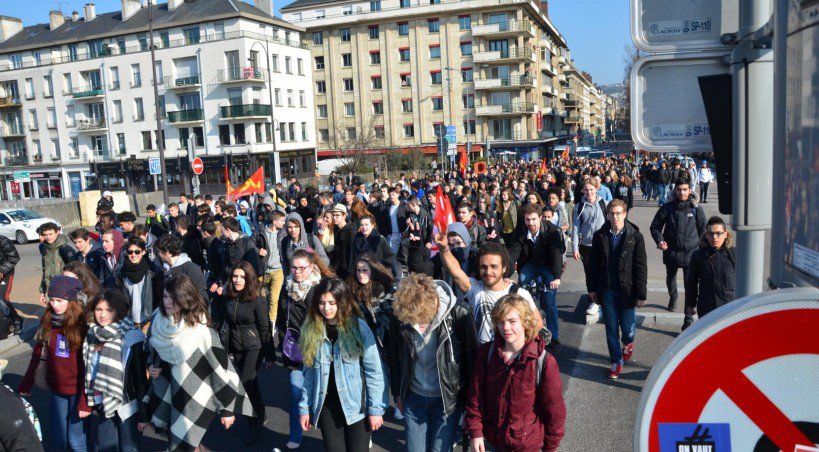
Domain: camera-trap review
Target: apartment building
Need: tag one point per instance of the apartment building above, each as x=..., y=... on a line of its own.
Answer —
x=402, y=67
x=77, y=103
x=585, y=104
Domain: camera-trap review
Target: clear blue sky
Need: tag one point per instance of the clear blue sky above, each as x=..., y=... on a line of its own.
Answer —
x=596, y=30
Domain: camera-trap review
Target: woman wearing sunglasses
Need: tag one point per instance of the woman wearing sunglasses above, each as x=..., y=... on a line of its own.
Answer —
x=142, y=282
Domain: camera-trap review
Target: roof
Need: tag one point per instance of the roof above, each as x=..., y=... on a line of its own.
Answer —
x=111, y=24
x=304, y=3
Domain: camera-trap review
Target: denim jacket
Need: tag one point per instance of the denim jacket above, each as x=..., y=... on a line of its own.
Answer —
x=348, y=377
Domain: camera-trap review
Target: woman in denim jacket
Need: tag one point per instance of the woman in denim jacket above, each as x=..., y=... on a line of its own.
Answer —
x=344, y=380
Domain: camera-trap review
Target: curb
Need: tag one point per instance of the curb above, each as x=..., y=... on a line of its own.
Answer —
x=29, y=329
x=648, y=319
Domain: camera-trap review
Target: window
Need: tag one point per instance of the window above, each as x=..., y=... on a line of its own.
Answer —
x=321, y=111
x=165, y=37
x=291, y=128
x=406, y=79
x=324, y=135
x=466, y=48
x=274, y=63
x=72, y=54
x=345, y=34
x=282, y=133
x=351, y=133
x=404, y=54
x=467, y=75
x=348, y=84
x=403, y=28
x=468, y=100
x=136, y=76
x=224, y=134
x=147, y=143
x=139, y=109
x=379, y=132
x=409, y=130
x=433, y=25
x=304, y=131
x=57, y=155
x=375, y=57
x=347, y=10
x=378, y=107
x=375, y=5
x=300, y=66
x=319, y=62
x=289, y=97
x=52, y=118
x=36, y=55
x=117, y=111
x=376, y=81
x=435, y=77
x=406, y=3
x=435, y=51
x=32, y=119
x=406, y=105
x=321, y=87
x=48, y=86
x=114, y=78
x=191, y=35
x=434, y=2
x=320, y=14
x=121, y=45
x=464, y=22
x=318, y=38
x=301, y=99
x=121, y=143
x=259, y=132
x=373, y=29
x=287, y=67
x=437, y=104
x=29, y=88
x=469, y=126
x=347, y=59
x=143, y=41
x=239, y=133
x=277, y=94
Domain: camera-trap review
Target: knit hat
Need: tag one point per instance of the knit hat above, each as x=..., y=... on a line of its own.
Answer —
x=64, y=287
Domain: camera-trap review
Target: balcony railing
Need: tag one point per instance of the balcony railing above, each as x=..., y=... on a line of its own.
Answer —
x=489, y=56
x=18, y=159
x=87, y=91
x=9, y=101
x=506, y=135
x=92, y=124
x=504, y=82
x=12, y=131
x=505, y=108
x=239, y=74
x=186, y=115
x=511, y=26
x=186, y=81
x=245, y=111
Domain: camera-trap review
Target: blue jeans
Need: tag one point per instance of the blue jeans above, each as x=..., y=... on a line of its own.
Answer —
x=618, y=319
x=68, y=431
x=427, y=428
x=114, y=434
x=663, y=193
x=531, y=272
x=296, y=384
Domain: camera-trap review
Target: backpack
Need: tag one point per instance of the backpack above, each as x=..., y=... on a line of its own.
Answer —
x=538, y=371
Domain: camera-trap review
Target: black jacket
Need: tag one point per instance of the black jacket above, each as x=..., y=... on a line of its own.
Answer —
x=155, y=281
x=135, y=384
x=187, y=267
x=94, y=259
x=376, y=245
x=478, y=235
x=216, y=258
x=291, y=315
x=633, y=264
x=625, y=193
x=680, y=224
x=341, y=256
x=17, y=433
x=8, y=256
x=192, y=246
x=457, y=344
x=545, y=252
x=383, y=218
x=247, y=326
x=711, y=278
x=106, y=274
x=158, y=226
x=241, y=249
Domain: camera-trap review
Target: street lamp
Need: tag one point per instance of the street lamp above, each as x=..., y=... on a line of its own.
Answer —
x=274, y=156
x=160, y=142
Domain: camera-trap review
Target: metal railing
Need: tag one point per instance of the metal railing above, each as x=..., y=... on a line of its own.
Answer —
x=92, y=124
x=507, y=53
x=512, y=107
x=506, y=135
x=183, y=81
x=502, y=27
x=245, y=110
x=9, y=101
x=11, y=131
x=241, y=73
x=510, y=80
x=186, y=115
x=87, y=91
x=18, y=159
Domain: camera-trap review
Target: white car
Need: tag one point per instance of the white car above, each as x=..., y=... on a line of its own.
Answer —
x=21, y=225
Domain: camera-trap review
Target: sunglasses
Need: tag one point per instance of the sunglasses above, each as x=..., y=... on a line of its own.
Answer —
x=134, y=252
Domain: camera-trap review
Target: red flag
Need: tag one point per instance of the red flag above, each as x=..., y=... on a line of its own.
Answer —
x=228, y=186
x=444, y=215
x=253, y=185
x=566, y=153
x=542, y=167
x=464, y=161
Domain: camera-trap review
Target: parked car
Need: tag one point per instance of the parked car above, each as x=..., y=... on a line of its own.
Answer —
x=21, y=225
x=685, y=161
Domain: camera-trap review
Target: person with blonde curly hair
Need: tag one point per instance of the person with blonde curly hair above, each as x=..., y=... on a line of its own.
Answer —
x=515, y=387
x=430, y=350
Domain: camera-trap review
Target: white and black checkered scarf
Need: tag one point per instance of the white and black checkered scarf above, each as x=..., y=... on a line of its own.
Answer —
x=110, y=370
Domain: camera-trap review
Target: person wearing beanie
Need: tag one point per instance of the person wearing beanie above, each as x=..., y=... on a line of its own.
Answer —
x=59, y=347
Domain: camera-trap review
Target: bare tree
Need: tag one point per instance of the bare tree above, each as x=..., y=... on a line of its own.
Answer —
x=623, y=114
x=356, y=148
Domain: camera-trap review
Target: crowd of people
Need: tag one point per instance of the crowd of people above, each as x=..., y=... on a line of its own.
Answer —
x=354, y=290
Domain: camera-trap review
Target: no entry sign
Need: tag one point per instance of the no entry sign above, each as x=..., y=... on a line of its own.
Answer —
x=746, y=377
x=197, y=166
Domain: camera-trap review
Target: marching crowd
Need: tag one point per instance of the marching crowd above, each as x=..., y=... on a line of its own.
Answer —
x=366, y=293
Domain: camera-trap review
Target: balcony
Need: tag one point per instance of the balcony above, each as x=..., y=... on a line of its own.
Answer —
x=504, y=56
x=514, y=81
x=183, y=83
x=92, y=92
x=506, y=135
x=553, y=133
x=92, y=125
x=570, y=100
x=20, y=159
x=573, y=119
x=505, y=109
x=547, y=44
x=548, y=89
x=562, y=78
x=10, y=102
x=186, y=116
x=509, y=28
x=548, y=110
x=546, y=66
x=241, y=75
x=12, y=131
x=561, y=60
x=246, y=111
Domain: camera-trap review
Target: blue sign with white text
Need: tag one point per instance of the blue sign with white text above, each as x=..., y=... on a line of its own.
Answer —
x=154, y=165
x=695, y=437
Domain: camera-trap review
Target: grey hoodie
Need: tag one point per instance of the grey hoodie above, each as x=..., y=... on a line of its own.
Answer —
x=588, y=218
x=289, y=247
x=274, y=259
x=425, y=380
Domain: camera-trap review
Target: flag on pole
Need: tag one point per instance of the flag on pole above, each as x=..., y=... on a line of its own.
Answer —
x=565, y=153
x=228, y=186
x=464, y=162
x=251, y=186
x=444, y=215
x=542, y=170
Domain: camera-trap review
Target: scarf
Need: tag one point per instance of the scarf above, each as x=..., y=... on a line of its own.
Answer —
x=57, y=320
x=52, y=261
x=135, y=272
x=298, y=290
x=110, y=374
x=176, y=342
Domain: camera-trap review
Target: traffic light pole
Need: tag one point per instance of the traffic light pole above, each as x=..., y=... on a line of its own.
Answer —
x=752, y=73
x=160, y=142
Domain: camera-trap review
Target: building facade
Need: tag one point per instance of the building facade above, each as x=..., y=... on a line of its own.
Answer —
x=403, y=67
x=77, y=103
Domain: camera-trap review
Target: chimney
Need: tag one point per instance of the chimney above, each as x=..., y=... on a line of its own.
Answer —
x=129, y=8
x=544, y=7
x=75, y=16
x=265, y=5
x=90, y=12
x=9, y=26
x=173, y=4
x=55, y=19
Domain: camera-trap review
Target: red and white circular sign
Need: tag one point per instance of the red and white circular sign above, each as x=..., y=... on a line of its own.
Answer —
x=749, y=368
x=197, y=166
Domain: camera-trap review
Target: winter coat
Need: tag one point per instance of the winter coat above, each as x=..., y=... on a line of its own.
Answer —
x=383, y=218
x=17, y=432
x=157, y=225
x=8, y=256
x=711, y=277
x=306, y=240
x=507, y=408
x=374, y=244
x=135, y=379
x=680, y=224
x=291, y=315
x=241, y=249
x=192, y=246
x=625, y=193
x=544, y=252
x=108, y=274
x=54, y=257
x=248, y=326
x=633, y=264
x=455, y=355
x=215, y=252
x=343, y=249
x=152, y=290
x=185, y=266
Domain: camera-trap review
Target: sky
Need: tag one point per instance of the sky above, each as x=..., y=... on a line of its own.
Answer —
x=596, y=31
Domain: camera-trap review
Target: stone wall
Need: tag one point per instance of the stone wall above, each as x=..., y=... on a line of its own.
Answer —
x=65, y=211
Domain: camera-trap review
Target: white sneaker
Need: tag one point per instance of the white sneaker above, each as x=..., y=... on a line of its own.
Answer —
x=594, y=309
x=396, y=413
x=292, y=445
x=371, y=444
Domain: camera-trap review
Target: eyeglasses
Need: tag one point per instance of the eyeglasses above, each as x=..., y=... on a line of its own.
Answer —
x=301, y=269
x=134, y=252
x=715, y=234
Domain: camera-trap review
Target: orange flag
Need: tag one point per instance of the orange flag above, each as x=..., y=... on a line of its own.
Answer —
x=253, y=185
x=464, y=162
x=542, y=167
x=444, y=216
x=228, y=186
x=566, y=153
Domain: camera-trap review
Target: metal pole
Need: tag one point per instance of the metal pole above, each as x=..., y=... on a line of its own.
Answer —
x=159, y=134
x=752, y=72
x=274, y=170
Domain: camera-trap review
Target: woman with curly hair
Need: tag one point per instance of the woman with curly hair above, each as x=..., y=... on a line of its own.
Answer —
x=344, y=381
x=371, y=290
x=430, y=349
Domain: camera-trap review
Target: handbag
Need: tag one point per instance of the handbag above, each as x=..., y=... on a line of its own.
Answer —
x=40, y=373
x=290, y=346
